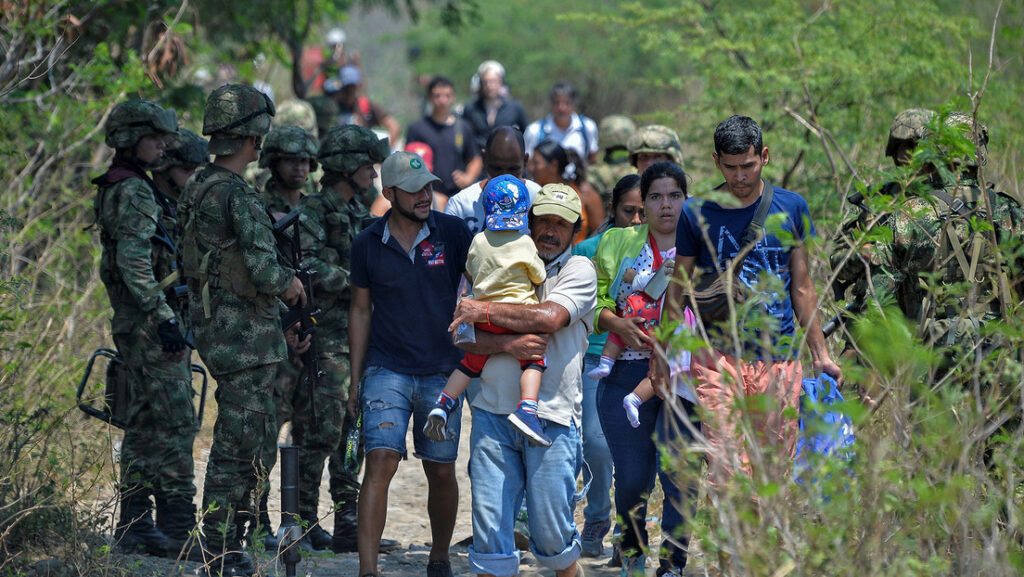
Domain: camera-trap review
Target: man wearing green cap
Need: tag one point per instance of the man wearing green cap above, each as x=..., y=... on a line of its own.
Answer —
x=502, y=467
x=405, y=274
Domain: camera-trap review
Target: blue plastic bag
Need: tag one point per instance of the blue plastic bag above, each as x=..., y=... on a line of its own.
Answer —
x=822, y=431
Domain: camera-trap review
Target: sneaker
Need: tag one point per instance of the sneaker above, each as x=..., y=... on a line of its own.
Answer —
x=634, y=566
x=669, y=572
x=592, y=540
x=436, y=423
x=528, y=424
x=439, y=569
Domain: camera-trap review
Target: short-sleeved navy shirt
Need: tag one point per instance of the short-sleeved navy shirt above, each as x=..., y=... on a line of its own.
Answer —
x=413, y=299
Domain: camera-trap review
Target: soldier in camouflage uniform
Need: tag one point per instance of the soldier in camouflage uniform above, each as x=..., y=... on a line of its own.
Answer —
x=289, y=153
x=139, y=262
x=654, y=143
x=234, y=280
x=330, y=221
x=940, y=269
x=184, y=152
x=614, y=132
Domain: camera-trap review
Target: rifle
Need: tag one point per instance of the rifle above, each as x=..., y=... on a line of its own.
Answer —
x=289, y=252
x=835, y=322
x=115, y=395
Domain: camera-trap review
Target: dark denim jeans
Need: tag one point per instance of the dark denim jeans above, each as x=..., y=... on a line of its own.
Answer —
x=636, y=456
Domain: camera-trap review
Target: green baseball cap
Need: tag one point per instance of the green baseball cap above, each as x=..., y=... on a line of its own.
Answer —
x=405, y=170
x=560, y=200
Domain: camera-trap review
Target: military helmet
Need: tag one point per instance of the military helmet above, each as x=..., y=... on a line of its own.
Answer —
x=909, y=125
x=295, y=112
x=131, y=120
x=655, y=139
x=237, y=111
x=289, y=141
x=976, y=132
x=615, y=131
x=345, y=148
x=184, y=148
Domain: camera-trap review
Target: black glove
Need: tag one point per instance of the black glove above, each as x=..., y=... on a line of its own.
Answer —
x=170, y=336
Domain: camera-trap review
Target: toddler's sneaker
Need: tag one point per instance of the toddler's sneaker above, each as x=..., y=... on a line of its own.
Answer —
x=529, y=425
x=437, y=420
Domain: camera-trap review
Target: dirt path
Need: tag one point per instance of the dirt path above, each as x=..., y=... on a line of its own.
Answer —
x=407, y=523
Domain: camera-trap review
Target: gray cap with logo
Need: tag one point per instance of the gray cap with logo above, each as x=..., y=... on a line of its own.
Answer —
x=407, y=171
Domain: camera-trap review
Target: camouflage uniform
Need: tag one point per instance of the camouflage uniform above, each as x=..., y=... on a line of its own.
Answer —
x=933, y=249
x=139, y=252
x=329, y=223
x=231, y=266
x=287, y=141
x=614, y=131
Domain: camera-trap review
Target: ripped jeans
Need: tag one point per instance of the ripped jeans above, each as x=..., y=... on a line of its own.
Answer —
x=390, y=399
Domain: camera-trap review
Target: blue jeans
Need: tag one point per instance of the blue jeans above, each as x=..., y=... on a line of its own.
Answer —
x=503, y=466
x=637, y=458
x=391, y=399
x=595, y=450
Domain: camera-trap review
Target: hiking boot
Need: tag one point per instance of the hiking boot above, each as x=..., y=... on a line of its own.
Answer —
x=592, y=539
x=439, y=569
x=529, y=425
x=135, y=531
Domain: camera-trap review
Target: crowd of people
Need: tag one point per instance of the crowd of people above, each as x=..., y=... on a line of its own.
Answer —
x=518, y=267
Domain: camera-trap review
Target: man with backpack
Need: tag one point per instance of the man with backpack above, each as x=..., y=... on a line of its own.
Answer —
x=564, y=125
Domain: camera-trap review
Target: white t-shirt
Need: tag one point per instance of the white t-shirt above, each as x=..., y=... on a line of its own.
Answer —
x=574, y=137
x=571, y=283
x=468, y=205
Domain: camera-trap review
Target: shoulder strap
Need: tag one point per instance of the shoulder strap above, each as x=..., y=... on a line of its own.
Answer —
x=586, y=138
x=750, y=234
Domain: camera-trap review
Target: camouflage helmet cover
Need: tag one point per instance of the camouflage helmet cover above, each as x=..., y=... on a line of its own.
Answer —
x=236, y=111
x=295, y=112
x=976, y=132
x=184, y=148
x=655, y=139
x=909, y=125
x=131, y=120
x=288, y=142
x=345, y=148
x=615, y=131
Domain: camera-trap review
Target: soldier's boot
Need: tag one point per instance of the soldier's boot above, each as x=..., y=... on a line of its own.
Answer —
x=227, y=561
x=345, y=539
x=176, y=518
x=315, y=538
x=135, y=531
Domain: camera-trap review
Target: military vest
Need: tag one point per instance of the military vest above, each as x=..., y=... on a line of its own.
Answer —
x=148, y=203
x=211, y=256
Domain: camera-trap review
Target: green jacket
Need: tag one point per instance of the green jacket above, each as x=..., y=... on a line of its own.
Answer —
x=616, y=252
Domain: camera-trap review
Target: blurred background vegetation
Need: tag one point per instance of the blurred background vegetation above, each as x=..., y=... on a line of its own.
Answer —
x=824, y=79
